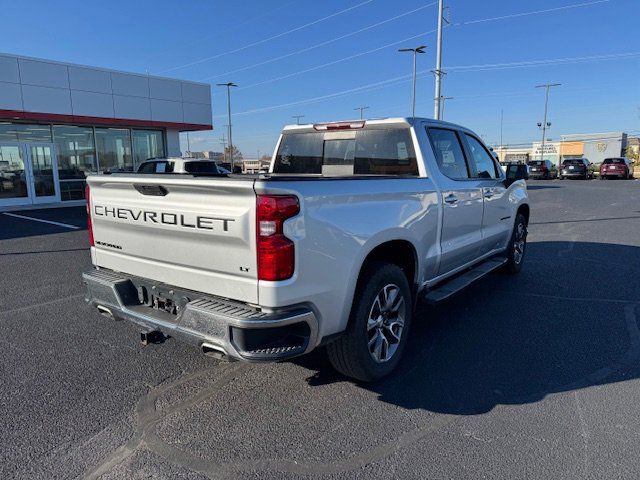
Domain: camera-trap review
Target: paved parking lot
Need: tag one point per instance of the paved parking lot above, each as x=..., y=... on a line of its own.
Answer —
x=527, y=376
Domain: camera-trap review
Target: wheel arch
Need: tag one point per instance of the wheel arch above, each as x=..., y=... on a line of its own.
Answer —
x=525, y=210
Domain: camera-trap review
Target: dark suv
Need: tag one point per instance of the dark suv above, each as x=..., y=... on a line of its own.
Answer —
x=576, y=168
x=542, y=169
x=618, y=167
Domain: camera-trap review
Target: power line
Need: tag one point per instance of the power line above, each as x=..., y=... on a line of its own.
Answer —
x=535, y=63
x=388, y=45
x=264, y=40
x=334, y=62
x=547, y=10
x=404, y=78
x=321, y=44
x=218, y=33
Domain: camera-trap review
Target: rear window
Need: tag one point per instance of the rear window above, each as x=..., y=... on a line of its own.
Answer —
x=536, y=163
x=613, y=160
x=156, y=167
x=362, y=152
x=573, y=162
x=200, y=167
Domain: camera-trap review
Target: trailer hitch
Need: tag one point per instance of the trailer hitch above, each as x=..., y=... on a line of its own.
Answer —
x=152, y=336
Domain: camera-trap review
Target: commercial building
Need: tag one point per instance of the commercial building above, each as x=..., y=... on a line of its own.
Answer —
x=598, y=146
x=593, y=146
x=60, y=122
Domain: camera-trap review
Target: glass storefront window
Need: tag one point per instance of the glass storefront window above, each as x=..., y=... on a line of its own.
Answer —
x=147, y=144
x=76, y=159
x=114, y=149
x=12, y=173
x=21, y=132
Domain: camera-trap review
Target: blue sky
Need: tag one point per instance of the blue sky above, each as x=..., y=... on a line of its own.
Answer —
x=323, y=59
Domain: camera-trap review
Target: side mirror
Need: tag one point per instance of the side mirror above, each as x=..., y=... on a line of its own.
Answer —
x=515, y=172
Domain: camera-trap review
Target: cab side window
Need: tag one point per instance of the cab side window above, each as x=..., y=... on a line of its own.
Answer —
x=449, y=153
x=481, y=160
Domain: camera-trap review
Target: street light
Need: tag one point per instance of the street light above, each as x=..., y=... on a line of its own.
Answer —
x=229, y=85
x=544, y=125
x=415, y=52
x=362, y=109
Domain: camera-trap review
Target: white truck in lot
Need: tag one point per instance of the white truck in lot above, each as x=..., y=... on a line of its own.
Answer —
x=354, y=223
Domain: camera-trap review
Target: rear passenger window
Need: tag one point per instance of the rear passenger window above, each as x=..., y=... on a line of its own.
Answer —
x=448, y=152
x=483, y=165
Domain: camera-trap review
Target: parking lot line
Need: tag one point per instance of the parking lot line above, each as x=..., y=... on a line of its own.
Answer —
x=65, y=225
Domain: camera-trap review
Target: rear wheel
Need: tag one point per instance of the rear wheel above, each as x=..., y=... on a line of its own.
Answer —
x=378, y=325
x=517, y=245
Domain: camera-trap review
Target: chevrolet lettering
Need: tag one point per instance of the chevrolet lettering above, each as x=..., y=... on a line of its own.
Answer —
x=179, y=219
x=354, y=223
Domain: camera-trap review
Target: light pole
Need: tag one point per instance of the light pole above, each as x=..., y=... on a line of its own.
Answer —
x=223, y=141
x=362, y=109
x=297, y=117
x=229, y=85
x=415, y=52
x=442, y=99
x=545, y=125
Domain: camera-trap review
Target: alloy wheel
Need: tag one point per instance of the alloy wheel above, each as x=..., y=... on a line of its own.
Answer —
x=386, y=323
x=519, y=243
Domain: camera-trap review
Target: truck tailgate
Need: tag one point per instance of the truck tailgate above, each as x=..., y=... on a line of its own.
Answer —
x=194, y=233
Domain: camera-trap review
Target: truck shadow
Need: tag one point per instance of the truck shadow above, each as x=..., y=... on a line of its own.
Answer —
x=567, y=321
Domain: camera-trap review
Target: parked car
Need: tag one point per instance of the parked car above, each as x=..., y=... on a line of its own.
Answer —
x=617, y=167
x=576, y=168
x=179, y=165
x=542, y=169
x=353, y=223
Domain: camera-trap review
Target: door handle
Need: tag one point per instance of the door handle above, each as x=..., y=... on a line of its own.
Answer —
x=451, y=199
x=488, y=192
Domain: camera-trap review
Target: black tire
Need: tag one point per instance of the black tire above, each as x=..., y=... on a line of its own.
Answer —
x=350, y=354
x=515, y=261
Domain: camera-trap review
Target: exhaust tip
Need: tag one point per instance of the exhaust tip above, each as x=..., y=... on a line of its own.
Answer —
x=214, y=351
x=105, y=311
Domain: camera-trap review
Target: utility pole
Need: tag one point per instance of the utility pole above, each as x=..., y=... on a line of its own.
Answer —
x=362, y=109
x=415, y=52
x=223, y=141
x=297, y=117
x=545, y=125
x=438, y=71
x=229, y=85
x=442, y=99
x=188, y=144
x=501, y=123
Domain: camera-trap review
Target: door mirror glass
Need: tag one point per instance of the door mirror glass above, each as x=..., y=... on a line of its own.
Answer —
x=516, y=171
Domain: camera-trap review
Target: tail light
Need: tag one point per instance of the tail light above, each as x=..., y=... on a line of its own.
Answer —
x=276, y=253
x=87, y=196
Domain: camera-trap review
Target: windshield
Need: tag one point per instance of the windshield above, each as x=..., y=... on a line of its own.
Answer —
x=362, y=152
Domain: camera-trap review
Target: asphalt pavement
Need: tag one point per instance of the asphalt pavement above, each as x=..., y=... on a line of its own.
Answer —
x=527, y=376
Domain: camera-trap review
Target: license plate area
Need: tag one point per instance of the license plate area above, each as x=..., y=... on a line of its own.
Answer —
x=161, y=297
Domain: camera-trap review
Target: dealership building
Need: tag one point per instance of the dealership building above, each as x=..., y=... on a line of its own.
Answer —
x=60, y=122
x=593, y=146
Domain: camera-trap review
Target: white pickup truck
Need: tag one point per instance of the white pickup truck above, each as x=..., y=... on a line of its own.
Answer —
x=354, y=223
